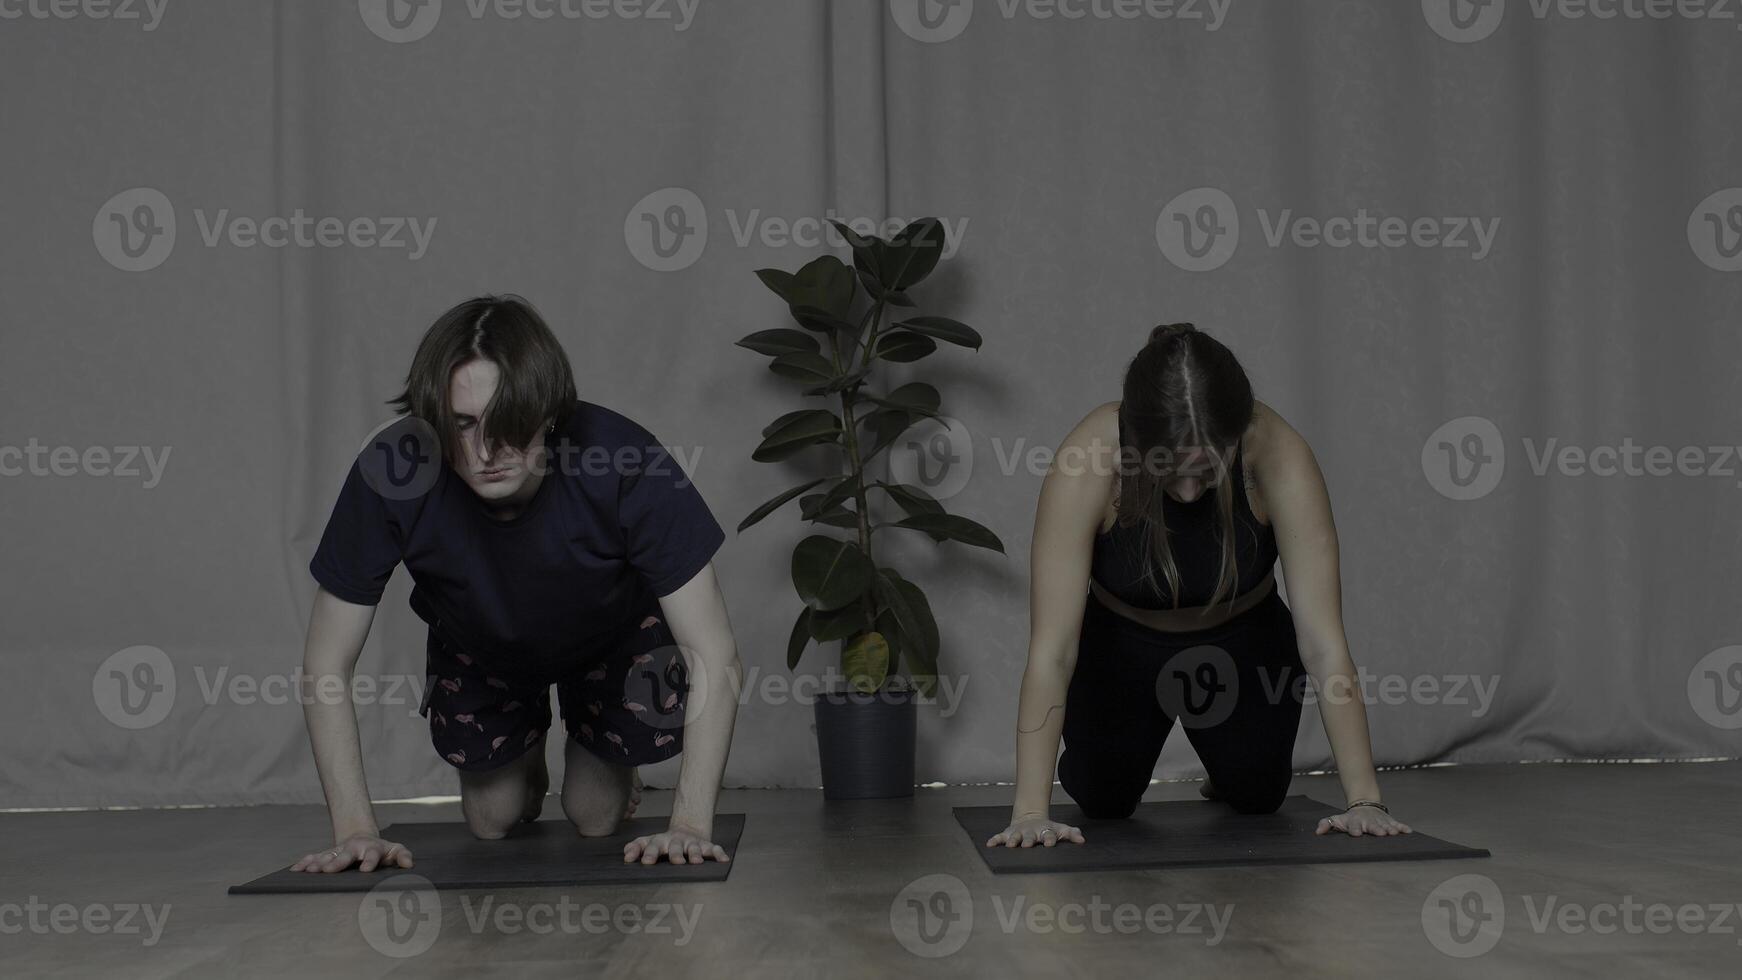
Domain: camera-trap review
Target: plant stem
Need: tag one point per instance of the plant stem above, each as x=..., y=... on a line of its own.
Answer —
x=857, y=473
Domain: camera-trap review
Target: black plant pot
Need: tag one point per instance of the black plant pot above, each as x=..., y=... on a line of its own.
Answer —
x=866, y=744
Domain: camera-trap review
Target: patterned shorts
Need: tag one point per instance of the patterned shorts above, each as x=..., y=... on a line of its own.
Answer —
x=626, y=705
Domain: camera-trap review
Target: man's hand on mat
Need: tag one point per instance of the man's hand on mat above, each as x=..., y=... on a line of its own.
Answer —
x=1028, y=831
x=1361, y=820
x=366, y=851
x=680, y=845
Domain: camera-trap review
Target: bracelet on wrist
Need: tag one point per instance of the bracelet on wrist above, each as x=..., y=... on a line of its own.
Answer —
x=1374, y=803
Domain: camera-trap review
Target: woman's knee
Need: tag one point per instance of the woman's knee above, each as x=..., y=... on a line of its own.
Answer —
x=1255, y=795
x=1103, y=794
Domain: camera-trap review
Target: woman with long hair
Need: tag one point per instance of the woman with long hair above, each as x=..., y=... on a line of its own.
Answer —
x=1153, y=601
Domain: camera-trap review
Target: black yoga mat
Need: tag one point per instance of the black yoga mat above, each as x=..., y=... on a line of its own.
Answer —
x=1197, y=834
x=545, y=853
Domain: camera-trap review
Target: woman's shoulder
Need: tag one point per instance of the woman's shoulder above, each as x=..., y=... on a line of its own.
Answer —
x=1096, y=437
x=1270, y=443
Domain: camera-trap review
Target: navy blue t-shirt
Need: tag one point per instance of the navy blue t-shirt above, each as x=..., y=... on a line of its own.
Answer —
x=615, y=524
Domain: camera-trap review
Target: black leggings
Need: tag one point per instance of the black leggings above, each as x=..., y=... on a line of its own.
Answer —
x=1236, y=688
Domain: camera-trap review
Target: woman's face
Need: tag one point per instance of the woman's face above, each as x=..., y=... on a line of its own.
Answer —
x=505, y=476
x=1193, y=473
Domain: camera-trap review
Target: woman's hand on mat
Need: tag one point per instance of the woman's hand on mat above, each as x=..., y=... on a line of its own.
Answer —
x=678, y=844
x=366, y=851
x=1029, y=831
x=1364, y=820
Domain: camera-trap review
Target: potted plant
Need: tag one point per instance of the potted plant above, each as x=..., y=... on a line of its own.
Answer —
x=885, y=626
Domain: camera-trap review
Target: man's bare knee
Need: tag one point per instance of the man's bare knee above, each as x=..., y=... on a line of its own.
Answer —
x=492, y=826
x=594, y=817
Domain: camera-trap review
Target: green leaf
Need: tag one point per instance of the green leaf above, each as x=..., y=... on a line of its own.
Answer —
x=838, y=624
x=817, y=319
x=865, y=661
x=800, y=638
x=807, y=368
x=841, y=383
x=788, y=417
x=837, y=516
x=902, y=346
x=844, y=489
x=886, y=426
x=829, y=573
x=955, y=528
x=868, y=252
x=781, y=341
x=830, y=285
x=913, y=254
x=919, y=629
x=783, y=284
x=891, y=630
x=918, y=398
x=945, y=329
x=798, y=432
x=912, y=499
x=825, y=284
x=774, y=504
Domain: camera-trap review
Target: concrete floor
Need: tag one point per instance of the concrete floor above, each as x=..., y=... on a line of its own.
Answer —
x=824, y=889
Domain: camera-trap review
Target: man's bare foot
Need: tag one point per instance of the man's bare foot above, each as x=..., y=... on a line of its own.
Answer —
x=1208, y=791
x=537, y=785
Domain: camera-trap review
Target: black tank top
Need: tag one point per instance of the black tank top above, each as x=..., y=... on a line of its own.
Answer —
x=1196, y=544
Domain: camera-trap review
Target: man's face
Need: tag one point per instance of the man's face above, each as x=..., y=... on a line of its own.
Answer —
x=497, y=476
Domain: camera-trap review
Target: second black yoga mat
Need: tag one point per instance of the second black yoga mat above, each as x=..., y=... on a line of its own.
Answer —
x=541, y=854
x=1197, y=834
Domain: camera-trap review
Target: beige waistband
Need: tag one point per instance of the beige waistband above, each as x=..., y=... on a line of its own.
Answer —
x=1185, y=620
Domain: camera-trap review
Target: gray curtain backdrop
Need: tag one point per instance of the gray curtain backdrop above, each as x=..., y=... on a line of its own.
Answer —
x=1484, y=258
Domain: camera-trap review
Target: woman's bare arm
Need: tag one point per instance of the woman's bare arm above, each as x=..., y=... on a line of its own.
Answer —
x=1073, y=499
x=1294, y=494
